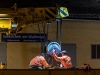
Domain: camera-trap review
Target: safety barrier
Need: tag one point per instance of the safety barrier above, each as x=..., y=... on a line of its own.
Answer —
x=48, y=72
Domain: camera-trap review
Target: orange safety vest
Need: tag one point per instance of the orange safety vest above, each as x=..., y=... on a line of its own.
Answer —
x=66, y=61
x=39, y=61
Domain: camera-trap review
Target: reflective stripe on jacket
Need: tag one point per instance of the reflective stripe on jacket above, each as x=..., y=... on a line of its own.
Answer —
x=65, y=60
x=39, y=61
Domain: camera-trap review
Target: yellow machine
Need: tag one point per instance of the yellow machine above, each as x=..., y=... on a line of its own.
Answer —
x=14, y=19
x=2, y=65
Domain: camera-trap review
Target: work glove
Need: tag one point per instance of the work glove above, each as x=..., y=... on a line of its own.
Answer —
x=49, y=66
x=54, y=51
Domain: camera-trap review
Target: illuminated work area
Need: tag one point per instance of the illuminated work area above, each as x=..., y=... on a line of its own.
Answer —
x=13, y=22
x=43, y=40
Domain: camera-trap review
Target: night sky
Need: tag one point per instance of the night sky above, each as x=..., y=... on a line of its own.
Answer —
x=74, y=6
x=68, y=3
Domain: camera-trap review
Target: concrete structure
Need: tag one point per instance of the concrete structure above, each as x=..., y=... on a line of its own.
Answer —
x=83, y=33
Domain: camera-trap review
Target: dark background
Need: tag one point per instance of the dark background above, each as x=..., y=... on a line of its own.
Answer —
x=74, y=6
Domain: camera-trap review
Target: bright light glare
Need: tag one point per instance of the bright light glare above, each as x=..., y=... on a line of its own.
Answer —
x=4, y=18
x=3, y=14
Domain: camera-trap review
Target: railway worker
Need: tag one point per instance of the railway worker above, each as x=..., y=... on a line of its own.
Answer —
x=38, y=62
x=64, y=59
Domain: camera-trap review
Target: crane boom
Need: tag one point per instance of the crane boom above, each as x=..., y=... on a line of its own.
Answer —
x=13, y=19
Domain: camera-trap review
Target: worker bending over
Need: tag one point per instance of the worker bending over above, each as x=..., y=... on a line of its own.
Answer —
x=65, y=60
x=38, y=62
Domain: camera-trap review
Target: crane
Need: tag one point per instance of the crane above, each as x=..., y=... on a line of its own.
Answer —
x=13, y=20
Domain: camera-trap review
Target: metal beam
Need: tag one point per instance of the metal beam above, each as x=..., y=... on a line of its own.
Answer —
x=60, y=31
x=57, y=31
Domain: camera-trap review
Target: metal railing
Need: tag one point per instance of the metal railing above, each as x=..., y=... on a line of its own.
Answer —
x=85, y=16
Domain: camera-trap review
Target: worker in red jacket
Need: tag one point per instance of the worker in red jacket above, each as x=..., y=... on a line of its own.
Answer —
x=65, y=60
x=38, y=62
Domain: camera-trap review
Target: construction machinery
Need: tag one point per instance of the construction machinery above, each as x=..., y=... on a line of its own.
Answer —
x=13, y=20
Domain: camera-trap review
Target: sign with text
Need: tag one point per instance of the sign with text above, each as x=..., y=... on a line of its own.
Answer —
x=23, y=37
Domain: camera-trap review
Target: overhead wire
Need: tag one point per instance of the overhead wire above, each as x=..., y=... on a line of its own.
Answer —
x=43, y=31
